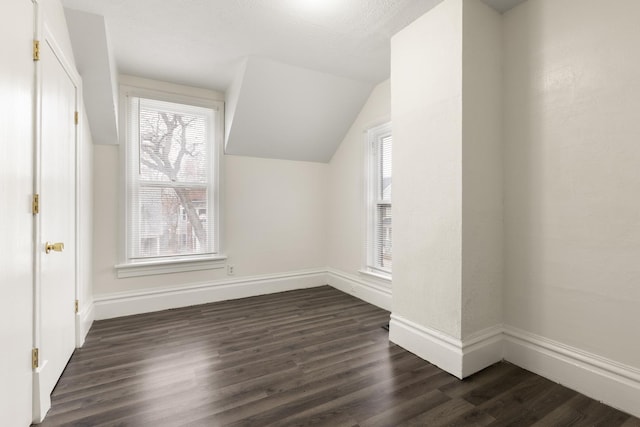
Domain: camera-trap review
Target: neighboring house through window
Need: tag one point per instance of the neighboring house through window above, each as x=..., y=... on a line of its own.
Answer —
x=172, y=174
x=379, y=257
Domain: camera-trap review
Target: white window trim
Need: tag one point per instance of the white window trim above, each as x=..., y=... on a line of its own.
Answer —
x=170, y=265
x=161, y=265
x=384, y=278
x=372, y=135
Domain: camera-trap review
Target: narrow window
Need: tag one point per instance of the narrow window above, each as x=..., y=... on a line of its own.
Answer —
x=379, y=257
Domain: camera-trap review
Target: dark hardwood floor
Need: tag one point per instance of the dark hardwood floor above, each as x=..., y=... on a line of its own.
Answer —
x=309, y=357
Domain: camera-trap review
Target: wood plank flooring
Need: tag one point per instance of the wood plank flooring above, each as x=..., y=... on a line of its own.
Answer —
x=310, y=357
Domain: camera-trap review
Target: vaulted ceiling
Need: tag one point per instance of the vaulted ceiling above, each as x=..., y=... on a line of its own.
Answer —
x=334, y=44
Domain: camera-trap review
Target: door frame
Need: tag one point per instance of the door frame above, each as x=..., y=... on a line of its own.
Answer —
x=41, y=397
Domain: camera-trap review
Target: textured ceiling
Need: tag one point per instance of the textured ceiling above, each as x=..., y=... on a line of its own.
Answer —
x=199, y=42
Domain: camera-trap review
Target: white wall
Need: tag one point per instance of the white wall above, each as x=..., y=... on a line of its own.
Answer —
x=16, y=219
x=345, y=208
x=447, y=122
x=273, y=216
x=346, y=185
x=426, y=106
x=482, y=218
x=273, y=221
x=572, y=181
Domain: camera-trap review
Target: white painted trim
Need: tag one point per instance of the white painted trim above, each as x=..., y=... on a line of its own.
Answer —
x=482, y=349
x=41, y=401
x=173, y=265
x=375, y=292
x=385, y=278
x=108, y=306
x=373, y=135
x=459, y=358
x=84, y=320
x=606, y=380
x=167, y=92
x=433, y=346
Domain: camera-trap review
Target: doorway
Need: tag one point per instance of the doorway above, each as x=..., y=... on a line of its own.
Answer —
x=55, y=248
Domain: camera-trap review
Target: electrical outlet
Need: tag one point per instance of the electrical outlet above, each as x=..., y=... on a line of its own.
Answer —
x=230, y=269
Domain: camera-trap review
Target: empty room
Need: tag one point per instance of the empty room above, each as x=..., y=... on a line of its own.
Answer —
x=320, y=212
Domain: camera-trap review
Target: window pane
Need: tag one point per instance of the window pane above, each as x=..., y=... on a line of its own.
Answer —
x=383, y=237
x=172, y=221
x=173, y=142
x=385, y=168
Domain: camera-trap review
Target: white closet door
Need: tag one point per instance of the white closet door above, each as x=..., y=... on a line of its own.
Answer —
x=57, y=216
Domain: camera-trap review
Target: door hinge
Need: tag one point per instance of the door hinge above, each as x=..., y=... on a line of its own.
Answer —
x=36, y=50
x=76, y=117
x=35, y=204
x=34, y=358
x=77, y=305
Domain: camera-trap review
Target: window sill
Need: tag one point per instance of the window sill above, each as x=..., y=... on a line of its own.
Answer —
x=385, y=278
x=170, y=265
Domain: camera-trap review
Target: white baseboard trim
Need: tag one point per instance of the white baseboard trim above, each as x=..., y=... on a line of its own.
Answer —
x=41, y=399
x=482, y=349
x=84, y=320
x=602, y=379
x=367, y=289
x=459, y=358
x=120, y=304
x=610, y=382
x=433, y=346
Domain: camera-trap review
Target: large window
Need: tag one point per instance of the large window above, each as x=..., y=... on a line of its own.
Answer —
x=379, y=256
x=171, y=160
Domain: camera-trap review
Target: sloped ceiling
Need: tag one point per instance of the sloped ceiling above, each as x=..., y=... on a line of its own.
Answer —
x=206, y=43
x=290, y=112
x=95, y=63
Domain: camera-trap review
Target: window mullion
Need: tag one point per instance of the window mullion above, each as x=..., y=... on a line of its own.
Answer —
x=169, y=184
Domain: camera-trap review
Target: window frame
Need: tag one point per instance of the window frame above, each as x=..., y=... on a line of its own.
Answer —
x=373, y=137
x=132, y=267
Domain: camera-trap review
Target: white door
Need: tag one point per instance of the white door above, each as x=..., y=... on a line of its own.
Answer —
x=16, y=219
x=56, y=163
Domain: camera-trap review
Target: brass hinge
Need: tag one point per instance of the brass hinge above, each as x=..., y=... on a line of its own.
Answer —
x=34, y=358
x=36, y=50
x=75, y=117
x=77, y=306
x=35, y=204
